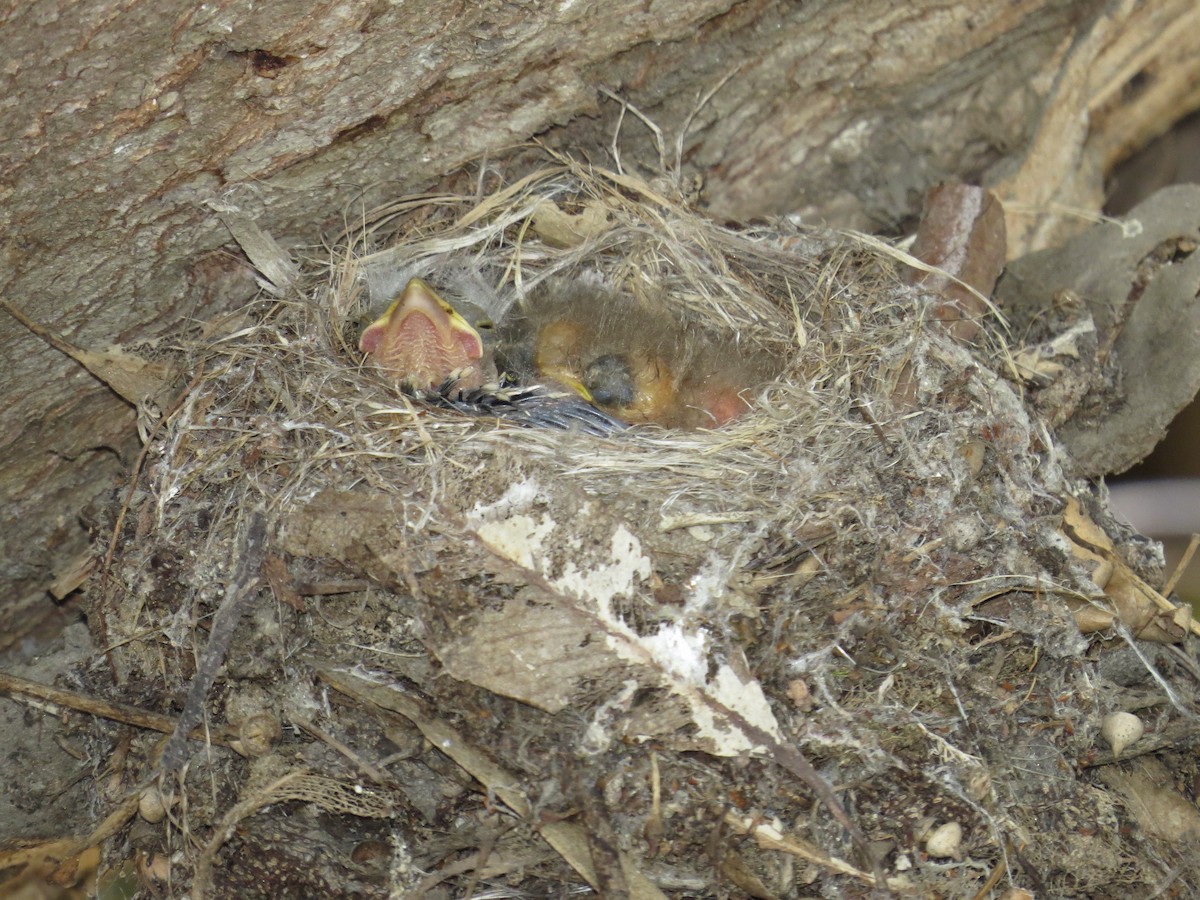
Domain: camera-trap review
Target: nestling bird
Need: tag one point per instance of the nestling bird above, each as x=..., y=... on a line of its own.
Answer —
x=634, y=360
x=421, y=340
x=429, y=348
x=574, y=354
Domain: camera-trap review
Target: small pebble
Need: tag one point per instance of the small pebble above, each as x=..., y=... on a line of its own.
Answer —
x=945, y=841
x=151, y=806
x=1120, y=729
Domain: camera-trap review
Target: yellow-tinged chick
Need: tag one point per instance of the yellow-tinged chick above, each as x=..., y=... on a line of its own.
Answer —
x=558, y=348
x=631, y=359
x=557, y=355
x=638, y=386
x=710, y=399
x=422, y=341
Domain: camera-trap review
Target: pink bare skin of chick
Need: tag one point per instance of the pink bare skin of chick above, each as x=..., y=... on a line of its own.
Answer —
x=421, y=341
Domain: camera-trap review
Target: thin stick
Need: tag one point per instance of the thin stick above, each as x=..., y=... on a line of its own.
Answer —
x=242, y=588
x=1184, y=562
x=117, y=712
x=137, y=470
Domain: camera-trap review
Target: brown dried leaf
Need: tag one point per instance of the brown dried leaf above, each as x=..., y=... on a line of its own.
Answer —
x=551, y=644
x=278, y=272
x=1142, y=610
x=132, y=377
x=565, y=230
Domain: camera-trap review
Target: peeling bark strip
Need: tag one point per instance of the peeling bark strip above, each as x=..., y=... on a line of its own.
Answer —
x=962, y=233
x=241, y=588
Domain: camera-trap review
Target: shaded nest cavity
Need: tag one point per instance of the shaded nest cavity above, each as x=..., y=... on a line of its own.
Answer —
x=436, y=651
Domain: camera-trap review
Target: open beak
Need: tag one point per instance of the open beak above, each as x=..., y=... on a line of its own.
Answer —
x=421, y=340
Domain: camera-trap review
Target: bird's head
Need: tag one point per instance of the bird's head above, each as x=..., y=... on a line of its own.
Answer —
x=421, y=340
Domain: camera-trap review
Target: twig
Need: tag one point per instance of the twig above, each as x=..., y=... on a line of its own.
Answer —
x=771, y=838
x=118, y=712
x=372, y=772
x=1184, y=562
x=568, y=839
x=241, y=588
x=137, y=468
x=645, y=120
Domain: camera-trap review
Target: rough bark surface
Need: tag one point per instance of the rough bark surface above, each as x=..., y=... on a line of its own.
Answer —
x=123, y=122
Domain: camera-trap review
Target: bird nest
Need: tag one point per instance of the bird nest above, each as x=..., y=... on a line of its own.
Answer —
x=823, y=645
